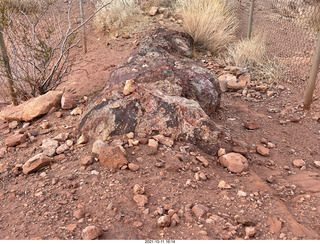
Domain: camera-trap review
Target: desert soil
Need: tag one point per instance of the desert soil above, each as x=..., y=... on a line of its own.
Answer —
x=274, y=199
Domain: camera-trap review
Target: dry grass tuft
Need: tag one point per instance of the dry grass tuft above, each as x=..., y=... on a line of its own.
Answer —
x=25, y=6
x=211, y=23
x=116, y=15
x=252, y=53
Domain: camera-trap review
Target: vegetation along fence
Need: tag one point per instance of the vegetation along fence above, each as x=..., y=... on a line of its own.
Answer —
x=291, y=29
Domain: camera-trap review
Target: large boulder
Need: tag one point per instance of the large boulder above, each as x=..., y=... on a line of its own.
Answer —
x=169, y=94
x=32, y=108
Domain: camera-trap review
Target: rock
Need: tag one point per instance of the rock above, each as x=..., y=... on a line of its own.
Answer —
x=240, y=149
x=203, y=160
x=167, y=141
x=316, y=163
x=97, y=146
x=69, y=143
x=76, y=111
x=176, y=95
x=129, y=87
x=222, y=184
x=164, y=221
x=250, y=231
x=15, y=140
x=112, y=157
x=233, y=85
x=250, y=125
x=298, y=163
x=263, y=151
x=71, y=227
x=68, y=101
x=133, y=167
x=221, y=152
x=83, y=139
x=59, y=114
x=63, y=148
x=13, y=124
x=61, y=137
x=153, y=144
x=235, y=162
x=275, y=225
x=138, y=190
x=199, y=210
x=87, y=160
x=295, y=119
x=32, y=108
x=226, y=79
x=244, y=79
x=91, y=232
x=3, y=168
x=130, y=135
x=35, y=163
x=79, y=213
x=153, y=11
x=49, y=147
x=241, y=193
x=45, y=125
x=140, y=200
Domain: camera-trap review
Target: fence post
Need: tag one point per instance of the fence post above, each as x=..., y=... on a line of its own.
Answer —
x=313, y=76
x=84, y=37
x=250, y=19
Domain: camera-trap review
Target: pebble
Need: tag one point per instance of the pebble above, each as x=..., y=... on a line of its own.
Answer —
x=87, y=160
x=263, y=151
x=316, y=163
x=250, y=125
x=203, y=160
x=153, y=143
x=133, y=167
x=199, y=210
x=222, y=184
x=129, y=87
x=138, y=190
x=241, y=194
x=164, y=221
x=13, y=124
x=250, y=231
x=71, y=227
x=79, y=213
x=82, y=140
x=298, y=163
x=140, y=200
x=221, y=152
x=91, y=232
x=130, y=135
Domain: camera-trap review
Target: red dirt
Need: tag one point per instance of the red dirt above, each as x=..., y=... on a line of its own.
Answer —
x=281, y=202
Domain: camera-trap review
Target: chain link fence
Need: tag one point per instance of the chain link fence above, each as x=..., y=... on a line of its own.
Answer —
x=291, y=30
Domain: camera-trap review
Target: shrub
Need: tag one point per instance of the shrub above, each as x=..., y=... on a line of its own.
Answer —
x=211, y=23
x=252, y=53
x=116, y=15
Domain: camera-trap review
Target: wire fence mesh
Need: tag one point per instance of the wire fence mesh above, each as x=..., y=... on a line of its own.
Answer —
x=291, y=29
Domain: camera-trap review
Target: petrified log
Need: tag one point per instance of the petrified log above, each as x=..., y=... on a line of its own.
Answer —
x=172, y=95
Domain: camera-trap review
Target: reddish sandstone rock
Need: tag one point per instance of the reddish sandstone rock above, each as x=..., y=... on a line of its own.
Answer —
x=15, y=140
x=91, y=232
x=235, y=162
x=35, y=163
x=112, y=157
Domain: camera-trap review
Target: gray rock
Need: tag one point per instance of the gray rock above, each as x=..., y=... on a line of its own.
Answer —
x=49, y=147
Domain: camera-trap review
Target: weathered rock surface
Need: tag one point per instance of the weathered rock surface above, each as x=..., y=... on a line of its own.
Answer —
x=35, y=163
x=32, y=108
x=112, y=157
x=173, y=95
x=68, y=101
x=235, y=162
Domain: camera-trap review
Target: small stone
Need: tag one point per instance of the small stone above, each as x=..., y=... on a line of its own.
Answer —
x=62, y=149
x=15, y=140
x=130, y=135
x=140, y=200
x=68, y=101
x=316, y=163
x=112, y=157
x=153, y=143
x=295, y=119
x=69, y=143
x=13, y=124
x=241, y=193
x=235, y=162
x=263, y=151
x=79, y=213
x=199, y=210
x=153, y=11
x=76, y=111
x=45, y=125
x=244, y=79
x=133, y=167
x=61, y=137
x=129, y=87
x=298, y=163
x=221, y=152
x=250, y=231
x=240, y=149
x=59, y=114
x=164, y=140
x=138, y=190
x=71, y=227
x=91, y=232
x=250, y=125
x=203, y=160
x=164, y=221
x=83, y=139
x=49, y=147
x=281, y=87
x=35, y=163
x=3, y=168
x=222, y=184
x=203, y=176
x=143, y=141
x=137, y=224
x=87, y=160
